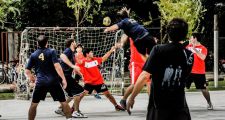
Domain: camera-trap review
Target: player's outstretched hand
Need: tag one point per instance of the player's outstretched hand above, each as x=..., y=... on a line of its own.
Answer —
x=64, y=84
x=113, y=48
x=130, y=104
x=106, y=30
x=118, y=45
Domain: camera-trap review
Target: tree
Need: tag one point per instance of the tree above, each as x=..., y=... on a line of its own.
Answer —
x=190, y=10
x=7, y=8
x=84, y=10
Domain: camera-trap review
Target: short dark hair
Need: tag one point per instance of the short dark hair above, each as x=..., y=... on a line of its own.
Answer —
x=122, y=14
x=86, y=51
x=42, y=41
x=79, y=45
x=197, y=35
x=69, y=42
x=177, y=29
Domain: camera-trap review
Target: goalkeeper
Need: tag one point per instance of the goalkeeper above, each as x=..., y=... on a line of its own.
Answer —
x=141, y=37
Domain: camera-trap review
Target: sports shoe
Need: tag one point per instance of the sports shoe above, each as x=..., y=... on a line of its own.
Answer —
x=97, y=96
x=59, y=111
x=78, y=115
x=123, y=103
x=119, y=108
x=210, y=106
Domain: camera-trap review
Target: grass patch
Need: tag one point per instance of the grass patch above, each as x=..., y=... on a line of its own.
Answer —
x=6, y=96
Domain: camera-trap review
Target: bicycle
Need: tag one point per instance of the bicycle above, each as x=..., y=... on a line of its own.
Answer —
x=8, y=73
x=221, y=66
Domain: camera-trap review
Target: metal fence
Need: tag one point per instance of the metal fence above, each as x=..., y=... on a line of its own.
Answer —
x=9, y=46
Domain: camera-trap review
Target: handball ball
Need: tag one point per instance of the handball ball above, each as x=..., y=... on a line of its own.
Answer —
x=106, y=21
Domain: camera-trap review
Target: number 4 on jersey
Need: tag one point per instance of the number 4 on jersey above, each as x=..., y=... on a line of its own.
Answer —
x=41, y=57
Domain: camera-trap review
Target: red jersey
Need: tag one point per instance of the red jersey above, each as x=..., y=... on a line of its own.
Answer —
x=79, y=57
x=91, y=72
x=135, y=55
x=199, y=64
x=136, y=63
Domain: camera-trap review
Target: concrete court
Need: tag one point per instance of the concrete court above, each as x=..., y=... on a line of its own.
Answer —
x=103, y=110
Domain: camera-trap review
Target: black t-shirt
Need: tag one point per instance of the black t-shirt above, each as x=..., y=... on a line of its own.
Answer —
x=70, y=55
x=132, y=28
x=169, y=65
x=43, y=61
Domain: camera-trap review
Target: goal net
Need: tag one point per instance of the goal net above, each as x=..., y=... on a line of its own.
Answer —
x=89, y=37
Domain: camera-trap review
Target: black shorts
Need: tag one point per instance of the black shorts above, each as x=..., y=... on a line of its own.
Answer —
x=55, y=90
x=144, y=45
x=73, y=88
x=77, y=77
x=168, y=114
x=98, y=88
x=198, y=79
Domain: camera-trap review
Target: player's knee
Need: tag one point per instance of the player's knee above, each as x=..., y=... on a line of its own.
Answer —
x=107, y=94
x=64, y=103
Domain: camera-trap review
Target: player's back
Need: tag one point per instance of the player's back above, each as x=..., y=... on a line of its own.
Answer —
x=43, y=61
x=132, y=28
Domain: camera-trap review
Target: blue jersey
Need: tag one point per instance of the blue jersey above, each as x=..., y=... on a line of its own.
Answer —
x=132, y=28
x=70, y=55
x=43, y=61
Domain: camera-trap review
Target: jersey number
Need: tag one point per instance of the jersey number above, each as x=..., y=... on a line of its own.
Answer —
x=41, y=57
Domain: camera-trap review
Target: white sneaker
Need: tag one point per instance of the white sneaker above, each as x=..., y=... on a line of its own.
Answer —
x=78, y=115
x=59, y=111
x=69, y=119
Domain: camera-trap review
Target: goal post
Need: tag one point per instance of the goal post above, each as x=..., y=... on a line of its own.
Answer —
x=90, y=37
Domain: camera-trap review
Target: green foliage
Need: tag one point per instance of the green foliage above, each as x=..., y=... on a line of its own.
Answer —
x=84, y=10
x=190, y=10
x=7, y=7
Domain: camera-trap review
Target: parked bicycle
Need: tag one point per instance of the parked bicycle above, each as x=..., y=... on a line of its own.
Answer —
x=221, y=66
x=8, y=73
x=210, y=63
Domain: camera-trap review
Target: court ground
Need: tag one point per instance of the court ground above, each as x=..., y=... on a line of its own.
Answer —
x=103, y=110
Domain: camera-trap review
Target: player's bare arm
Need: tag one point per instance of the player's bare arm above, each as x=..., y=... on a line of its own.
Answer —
x=67, y=61
x=30, y=75
x=137, y=88
x=112, y=28
x=199, y=54
x=106, y=56
x=59, y=70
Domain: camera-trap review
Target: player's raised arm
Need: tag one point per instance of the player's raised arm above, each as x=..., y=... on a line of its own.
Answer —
x=112, y=28
x=106, y=56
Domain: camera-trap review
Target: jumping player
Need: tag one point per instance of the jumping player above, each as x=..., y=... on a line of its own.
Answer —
x=92, y=77
x=135, y=67
x=47, y=70
x=143, y=41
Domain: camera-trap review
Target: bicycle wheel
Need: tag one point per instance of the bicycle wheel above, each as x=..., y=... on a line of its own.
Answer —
x=2, y=76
